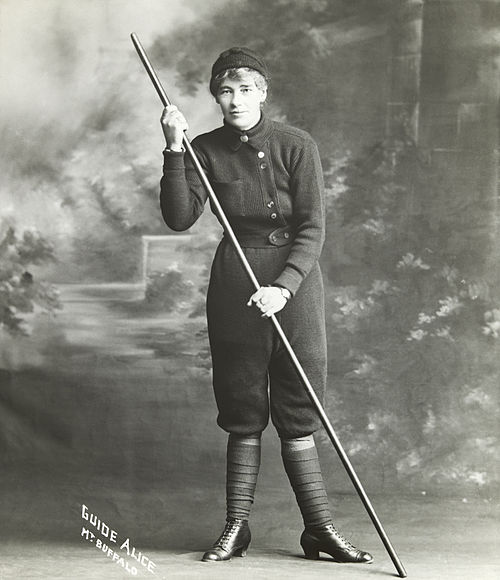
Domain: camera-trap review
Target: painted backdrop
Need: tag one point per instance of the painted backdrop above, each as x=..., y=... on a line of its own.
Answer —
x=104, y=363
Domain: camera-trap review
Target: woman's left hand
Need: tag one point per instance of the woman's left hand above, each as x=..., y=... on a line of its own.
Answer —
x=269, y=300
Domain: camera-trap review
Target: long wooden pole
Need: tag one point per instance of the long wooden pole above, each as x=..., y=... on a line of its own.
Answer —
x=310, y=391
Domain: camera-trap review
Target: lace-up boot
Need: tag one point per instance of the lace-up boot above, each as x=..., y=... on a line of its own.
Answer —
x=233, y=541
x=327, y=539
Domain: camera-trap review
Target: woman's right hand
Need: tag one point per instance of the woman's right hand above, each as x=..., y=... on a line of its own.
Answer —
x=173, y=124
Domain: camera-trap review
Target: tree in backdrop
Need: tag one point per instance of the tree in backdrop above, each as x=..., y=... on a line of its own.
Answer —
x=111, y=192
x=416, y=329
x=21, y=293
x=311, y=52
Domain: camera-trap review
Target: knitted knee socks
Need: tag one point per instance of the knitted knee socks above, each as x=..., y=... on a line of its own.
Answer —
x=243, y=462
x=300, y=458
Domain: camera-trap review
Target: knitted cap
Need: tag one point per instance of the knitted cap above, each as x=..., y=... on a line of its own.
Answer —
x=237, y=57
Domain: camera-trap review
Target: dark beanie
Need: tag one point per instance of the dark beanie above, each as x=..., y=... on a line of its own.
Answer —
x=237, y=57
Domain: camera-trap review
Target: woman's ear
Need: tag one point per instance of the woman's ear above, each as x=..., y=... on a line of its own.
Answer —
x=263, y=96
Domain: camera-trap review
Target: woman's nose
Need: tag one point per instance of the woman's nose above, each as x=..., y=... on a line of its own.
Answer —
x=235, y=99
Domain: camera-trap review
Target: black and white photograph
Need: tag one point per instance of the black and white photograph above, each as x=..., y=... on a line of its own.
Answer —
x=249, y=289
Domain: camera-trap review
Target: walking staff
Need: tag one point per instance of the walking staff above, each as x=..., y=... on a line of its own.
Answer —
x=266, y=174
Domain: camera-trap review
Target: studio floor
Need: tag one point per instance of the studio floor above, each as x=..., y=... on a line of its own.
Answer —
x=436, y=538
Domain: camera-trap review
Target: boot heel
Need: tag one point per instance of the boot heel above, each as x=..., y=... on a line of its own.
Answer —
x=311, y=552
x=242, y=552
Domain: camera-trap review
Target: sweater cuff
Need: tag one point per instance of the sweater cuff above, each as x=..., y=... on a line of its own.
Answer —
x=290, y=280
x=173, y=160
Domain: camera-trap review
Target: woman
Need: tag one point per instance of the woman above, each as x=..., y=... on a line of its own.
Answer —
x=268, y=179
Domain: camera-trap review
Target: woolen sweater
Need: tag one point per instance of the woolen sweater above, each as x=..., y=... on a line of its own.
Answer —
x=265, y=178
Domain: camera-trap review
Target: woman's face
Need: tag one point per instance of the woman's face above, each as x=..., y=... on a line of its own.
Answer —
x=240, y=101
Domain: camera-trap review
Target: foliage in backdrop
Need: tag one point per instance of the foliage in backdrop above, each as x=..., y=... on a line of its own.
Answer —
x=417, y=333
x=21, y=292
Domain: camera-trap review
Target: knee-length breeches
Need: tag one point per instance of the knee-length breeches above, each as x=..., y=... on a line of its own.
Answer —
x=253, y=376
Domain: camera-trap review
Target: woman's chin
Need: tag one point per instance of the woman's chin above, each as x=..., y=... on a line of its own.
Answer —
x=241, y=122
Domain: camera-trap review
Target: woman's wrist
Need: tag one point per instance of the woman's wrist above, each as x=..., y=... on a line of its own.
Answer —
x=175, y=147
x=285, y=292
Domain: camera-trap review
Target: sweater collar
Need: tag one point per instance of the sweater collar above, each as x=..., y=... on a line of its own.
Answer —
x=255, y=137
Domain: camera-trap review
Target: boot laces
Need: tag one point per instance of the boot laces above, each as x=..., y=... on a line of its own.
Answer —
x=229, y=531
x=346, y=544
